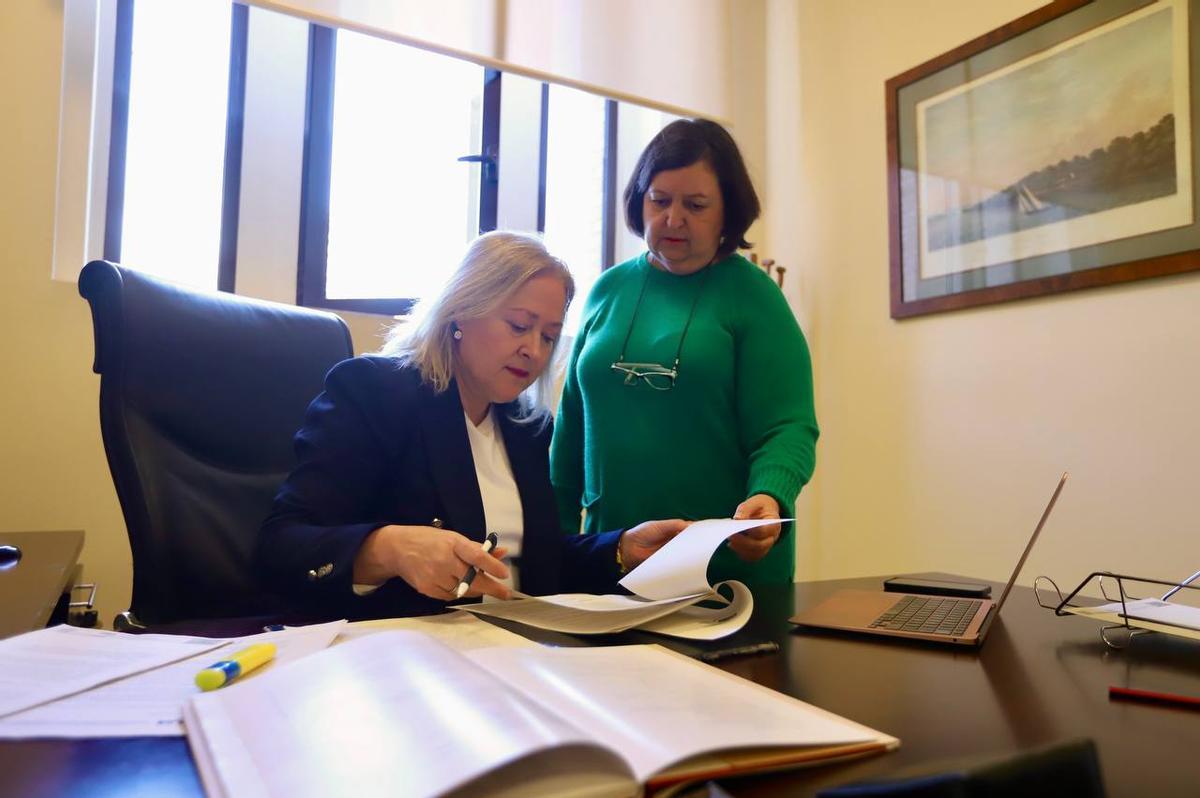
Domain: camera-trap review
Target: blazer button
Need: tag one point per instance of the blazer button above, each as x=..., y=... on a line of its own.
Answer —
x=312, y=576
x=437, y=522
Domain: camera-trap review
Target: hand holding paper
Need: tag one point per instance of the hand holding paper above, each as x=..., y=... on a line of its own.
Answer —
x=642, y=541
x=680, y=568
x=753, y=544
x=668, y=586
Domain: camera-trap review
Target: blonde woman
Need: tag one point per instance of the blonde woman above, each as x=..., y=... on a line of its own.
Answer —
x=409, y=458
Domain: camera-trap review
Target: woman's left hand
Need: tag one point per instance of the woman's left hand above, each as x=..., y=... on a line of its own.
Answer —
x=753, y=544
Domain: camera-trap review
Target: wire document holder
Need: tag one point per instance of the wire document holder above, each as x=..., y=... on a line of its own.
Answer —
x=1121, y=628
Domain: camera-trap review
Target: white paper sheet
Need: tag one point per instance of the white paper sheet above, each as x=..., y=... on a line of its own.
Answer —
x=680, y=568
x=1164, y=612
x=705, y=623
x=394, y=713
x=657, y=707
x=150, y=704
x=667, y=586
x=458, y=630
x=581, y=613
x=1150, y=613
x=42, y=666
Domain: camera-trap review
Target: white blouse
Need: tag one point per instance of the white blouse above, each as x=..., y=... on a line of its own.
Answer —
x=502, y=511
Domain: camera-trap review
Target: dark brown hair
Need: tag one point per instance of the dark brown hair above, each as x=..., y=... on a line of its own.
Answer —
x=683, y=143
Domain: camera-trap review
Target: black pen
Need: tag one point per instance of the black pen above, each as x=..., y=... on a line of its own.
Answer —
x=488, y=544
x=769, y=647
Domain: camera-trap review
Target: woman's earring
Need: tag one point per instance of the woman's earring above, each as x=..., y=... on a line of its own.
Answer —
x=458, y=335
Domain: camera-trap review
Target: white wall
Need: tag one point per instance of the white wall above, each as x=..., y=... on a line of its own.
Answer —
x=942, y=436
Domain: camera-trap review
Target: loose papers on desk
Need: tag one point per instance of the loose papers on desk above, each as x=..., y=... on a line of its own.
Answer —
x=137, y=701
x=1148, y=613
x=42, y=666
x=668, y=586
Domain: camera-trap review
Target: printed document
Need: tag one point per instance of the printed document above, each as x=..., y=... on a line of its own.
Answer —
x=150, y=703
x=669, y=588
x=42, y=666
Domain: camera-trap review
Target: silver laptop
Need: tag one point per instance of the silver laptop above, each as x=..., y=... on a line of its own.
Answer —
x=941, y=619
x=36, y=568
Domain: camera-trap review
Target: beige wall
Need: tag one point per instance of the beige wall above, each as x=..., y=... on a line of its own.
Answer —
x=952, y=424
x=52, y=469
x=942, y=436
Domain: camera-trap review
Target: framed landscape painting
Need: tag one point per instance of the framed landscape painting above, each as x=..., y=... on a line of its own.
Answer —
x=1054, y=153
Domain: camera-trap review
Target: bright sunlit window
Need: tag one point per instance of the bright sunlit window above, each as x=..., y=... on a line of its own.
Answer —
x=575, y=188
x=175, y=147
x=401, y=206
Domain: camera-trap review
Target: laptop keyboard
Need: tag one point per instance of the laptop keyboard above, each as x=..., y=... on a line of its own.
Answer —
x=928, y=615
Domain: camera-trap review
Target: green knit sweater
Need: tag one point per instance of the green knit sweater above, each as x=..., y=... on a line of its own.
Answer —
x=739, y=420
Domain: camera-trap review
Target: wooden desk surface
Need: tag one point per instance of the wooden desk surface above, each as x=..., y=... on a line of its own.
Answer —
x=31, y=586
x=1039, y=679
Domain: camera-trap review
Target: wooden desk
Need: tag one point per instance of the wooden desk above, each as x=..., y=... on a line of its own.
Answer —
x=1039, y=679
x=32, y=587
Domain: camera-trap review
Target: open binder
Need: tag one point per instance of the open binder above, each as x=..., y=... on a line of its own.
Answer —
x=398, y=713
x=1124, y=614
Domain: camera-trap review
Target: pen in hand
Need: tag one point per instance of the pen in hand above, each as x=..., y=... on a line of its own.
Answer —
x=244, y=661
x=488, y=544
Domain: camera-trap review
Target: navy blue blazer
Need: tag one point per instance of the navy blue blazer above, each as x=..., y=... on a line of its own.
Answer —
x=379, y=446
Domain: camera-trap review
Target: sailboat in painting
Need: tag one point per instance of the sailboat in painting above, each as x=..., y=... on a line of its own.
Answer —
x=1027, y=201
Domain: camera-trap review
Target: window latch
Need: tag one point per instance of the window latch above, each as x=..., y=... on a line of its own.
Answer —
x=488, y=160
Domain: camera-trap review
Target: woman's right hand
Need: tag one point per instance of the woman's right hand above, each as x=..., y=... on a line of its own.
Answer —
x=433, y=561
x=639, y=542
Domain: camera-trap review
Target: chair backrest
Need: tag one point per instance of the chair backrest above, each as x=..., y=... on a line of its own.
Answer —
x=201, y=394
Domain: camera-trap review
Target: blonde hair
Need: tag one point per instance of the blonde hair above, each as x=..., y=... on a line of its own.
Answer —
x=496, y=265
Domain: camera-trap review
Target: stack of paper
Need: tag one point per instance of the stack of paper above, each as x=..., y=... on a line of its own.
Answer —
x=76, y=683
x=1153, y=614
x=667, y=588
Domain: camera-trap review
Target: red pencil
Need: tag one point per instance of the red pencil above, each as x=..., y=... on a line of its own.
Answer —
x=1170, y=699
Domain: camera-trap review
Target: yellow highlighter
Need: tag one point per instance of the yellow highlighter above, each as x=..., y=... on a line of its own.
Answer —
x=225, y=671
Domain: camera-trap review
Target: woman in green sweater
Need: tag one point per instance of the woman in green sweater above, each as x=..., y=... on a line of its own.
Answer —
x=689, y=389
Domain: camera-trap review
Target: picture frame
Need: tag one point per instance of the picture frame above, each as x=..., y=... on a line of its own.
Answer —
x=1053, y=153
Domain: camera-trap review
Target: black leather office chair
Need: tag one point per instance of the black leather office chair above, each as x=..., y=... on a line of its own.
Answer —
x=200, y=395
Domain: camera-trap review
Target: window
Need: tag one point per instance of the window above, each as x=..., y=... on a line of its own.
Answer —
x=160, y=97
x=174, y=159
x=575, y=219
x=399, y=198
x=399, y=170
x=401, y=173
